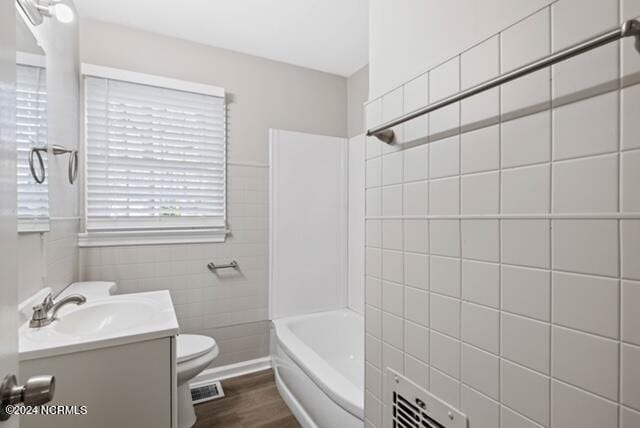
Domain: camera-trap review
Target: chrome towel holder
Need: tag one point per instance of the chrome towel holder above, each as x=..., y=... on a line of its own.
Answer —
x=630, y=28
x=57, y=150
x=213, y=267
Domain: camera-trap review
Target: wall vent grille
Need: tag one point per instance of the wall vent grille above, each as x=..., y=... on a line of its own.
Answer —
x=409, y=406
x=205, y=391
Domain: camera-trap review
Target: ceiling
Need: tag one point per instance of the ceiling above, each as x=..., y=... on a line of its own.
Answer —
x=325, y=35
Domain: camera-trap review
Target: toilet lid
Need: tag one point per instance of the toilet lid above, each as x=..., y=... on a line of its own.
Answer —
x=192, y=346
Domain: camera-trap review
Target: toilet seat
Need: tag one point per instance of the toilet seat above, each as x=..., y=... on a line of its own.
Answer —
x=191, y=346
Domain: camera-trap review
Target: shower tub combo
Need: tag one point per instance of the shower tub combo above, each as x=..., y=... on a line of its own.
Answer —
x=319, y=367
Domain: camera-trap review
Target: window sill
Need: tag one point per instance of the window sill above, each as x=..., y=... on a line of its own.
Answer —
x=123, y=238
x=33, y=225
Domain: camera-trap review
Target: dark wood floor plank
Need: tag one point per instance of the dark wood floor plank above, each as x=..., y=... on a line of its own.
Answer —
x=250, y=401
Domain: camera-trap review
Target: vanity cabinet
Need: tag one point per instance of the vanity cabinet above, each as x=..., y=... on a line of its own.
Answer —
x=130, y=385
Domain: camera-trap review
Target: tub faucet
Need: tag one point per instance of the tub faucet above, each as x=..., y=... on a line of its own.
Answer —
x=41, y=316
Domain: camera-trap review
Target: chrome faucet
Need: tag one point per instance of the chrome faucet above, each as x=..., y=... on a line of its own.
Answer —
x=41, y=316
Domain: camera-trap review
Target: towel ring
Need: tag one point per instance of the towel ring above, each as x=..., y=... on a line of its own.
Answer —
x=36, y=151
x=73, y=160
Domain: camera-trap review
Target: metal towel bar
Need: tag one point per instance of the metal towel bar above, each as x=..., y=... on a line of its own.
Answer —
x=630, y=28
x=213, y=267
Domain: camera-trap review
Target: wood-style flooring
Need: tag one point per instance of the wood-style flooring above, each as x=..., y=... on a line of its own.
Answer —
x=250, y=401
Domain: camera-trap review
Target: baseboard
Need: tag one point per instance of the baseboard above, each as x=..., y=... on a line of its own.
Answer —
x=234, y=370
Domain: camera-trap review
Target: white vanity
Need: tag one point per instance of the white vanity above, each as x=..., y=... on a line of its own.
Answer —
x=115, y=354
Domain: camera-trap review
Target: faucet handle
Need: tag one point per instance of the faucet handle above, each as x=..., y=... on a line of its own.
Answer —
x=40, y=312
x=47, y=303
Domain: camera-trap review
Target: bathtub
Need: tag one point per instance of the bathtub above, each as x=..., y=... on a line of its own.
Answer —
x=319, y=367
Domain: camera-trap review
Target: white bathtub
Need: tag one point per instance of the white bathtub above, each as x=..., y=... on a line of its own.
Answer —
x=319, y=365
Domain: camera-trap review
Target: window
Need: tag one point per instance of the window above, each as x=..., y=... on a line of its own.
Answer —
x=31, y=132
x=156, y=159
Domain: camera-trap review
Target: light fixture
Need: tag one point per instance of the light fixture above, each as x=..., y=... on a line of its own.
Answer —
x=36, y=10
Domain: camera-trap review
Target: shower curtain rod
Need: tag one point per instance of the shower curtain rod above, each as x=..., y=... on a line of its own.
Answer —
x=628, y=29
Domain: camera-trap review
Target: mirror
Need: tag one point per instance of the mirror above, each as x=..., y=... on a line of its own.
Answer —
x=31, y=132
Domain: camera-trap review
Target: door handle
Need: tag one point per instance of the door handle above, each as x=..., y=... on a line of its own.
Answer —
x=38, y=390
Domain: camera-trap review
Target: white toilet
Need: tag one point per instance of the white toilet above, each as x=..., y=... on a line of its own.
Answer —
x=194, y=353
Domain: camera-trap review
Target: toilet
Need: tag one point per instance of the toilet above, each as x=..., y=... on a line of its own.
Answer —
x=195, y=353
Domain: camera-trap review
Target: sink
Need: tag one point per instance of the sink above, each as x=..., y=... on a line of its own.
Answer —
x=102, y=322
x=103, y=318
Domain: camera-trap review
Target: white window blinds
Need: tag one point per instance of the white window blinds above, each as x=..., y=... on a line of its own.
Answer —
x=31, y=132
x=156, y=157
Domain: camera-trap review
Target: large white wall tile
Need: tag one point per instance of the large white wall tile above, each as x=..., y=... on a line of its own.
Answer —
x=444, y=387
x=481, y=370
x=445, y=276
x=480, y=240
x=526, y=292
x=575, y=408
x=587, y=127
x=481, y=283
x=525, y=41
x=630, y=313
x=373, y=321
x=373, y=380
x=630, y=234
x=481, y=327
x=445, y=315
x=392, y=168
x=445, y=237
x=630, y=106
x=444, y=81
x=373, y=262
x=525, y=391
x=417, y=371
x=373, y=112
x=373, y=233
x=392, y=330
x=484, y=413
x=526, y=190
x=373, y=409
x=444, y=354
x=374, y=172
x=590, y=73
x=392, y=234
x=416, y=163
x=480, y=150
x=629, y=418
x=630, y=170
x=578, y=301
x=416, y=270
x=392, y=266
x=392, y=298
x=373, y=292
x=373, y=350
x=416, y=95
x=630, y=376
x=444, y=157
x=481, y=193
x=416, y=236
x=586, y=246
x=526, y=242
x=586, y=185
x=526, y=342
x=392, y=356
x=416, y=198
x=373, y=202
x=511, y=419
x=526, y=140
x=416, y=341
x=444, y=196
x=392, y=201
x=416, y=306
x=594, y=16
x=392, y=108
x=586, y=361
x=479, y=64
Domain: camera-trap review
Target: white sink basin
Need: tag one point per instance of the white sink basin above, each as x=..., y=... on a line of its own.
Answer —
x=104, y=318
x=102, y=322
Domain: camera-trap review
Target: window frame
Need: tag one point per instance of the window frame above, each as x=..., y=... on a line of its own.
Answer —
x=127, y=233
x=27, y=225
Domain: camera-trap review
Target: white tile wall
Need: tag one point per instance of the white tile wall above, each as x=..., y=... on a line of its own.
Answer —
x=521, y=257
x=232, y=306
